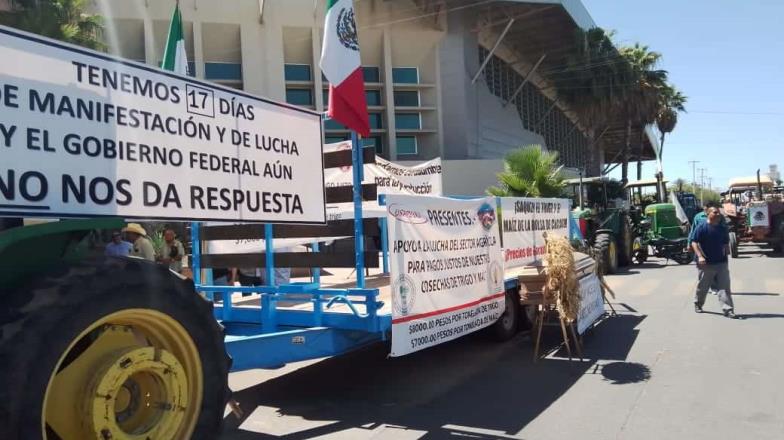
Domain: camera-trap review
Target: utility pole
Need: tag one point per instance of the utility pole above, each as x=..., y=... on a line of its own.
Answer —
x=702, y=185
x=694, y=174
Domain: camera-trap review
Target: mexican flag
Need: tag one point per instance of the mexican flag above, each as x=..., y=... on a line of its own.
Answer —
x=174, y=56
x=342, y=67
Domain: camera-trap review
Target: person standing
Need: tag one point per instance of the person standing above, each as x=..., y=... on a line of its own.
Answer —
x=118, y=247
x=172, y=252
x=142, y=246
x=711, y=247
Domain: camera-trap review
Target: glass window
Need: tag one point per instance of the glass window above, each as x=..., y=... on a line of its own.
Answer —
x=331, y=124
x=325, y=95
x=223, y=71
x=297, y=72
x=374, y=142
x=373, y=97
x=407, y=98
x=299, y=96
x=334, y=139
x=371, y=74
x=191, y=69
x=406, y=145
x=410, y=121
x=405, y=75
x=376, y=121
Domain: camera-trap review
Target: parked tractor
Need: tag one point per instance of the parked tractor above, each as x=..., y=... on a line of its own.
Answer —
x=661, y=230
x=754, y=209
x=604, y=219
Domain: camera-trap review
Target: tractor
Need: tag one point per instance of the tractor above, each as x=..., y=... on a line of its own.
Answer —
x=661, y=228
x=601, y=212
x=754, y=209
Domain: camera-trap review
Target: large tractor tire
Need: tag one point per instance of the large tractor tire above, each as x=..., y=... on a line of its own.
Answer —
x=733, y=245
x=116, y=348
x=506, y=327
x=606, y=253
x=626, y=244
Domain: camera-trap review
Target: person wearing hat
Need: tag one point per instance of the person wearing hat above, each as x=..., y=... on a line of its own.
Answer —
x=142, y=246
x=118, y=247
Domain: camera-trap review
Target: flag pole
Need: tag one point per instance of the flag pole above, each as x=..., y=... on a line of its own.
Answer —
x=359, y=239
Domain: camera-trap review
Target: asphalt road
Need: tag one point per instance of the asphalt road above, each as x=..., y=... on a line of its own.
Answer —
x=656, y=371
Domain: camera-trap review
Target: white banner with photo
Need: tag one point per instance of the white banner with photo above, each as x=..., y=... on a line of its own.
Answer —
x=447, y=271
x=525, y=221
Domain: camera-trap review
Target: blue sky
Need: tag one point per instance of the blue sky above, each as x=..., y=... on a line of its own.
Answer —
x=727, y=56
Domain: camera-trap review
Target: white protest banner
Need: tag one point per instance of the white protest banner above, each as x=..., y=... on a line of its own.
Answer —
x=85, y=134
x=524, y=222
x=591, y=302
x=389, y=177
x=447, y=272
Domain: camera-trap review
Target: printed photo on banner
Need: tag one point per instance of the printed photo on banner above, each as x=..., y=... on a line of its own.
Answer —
x=447, y=270
x=525, y=221
x=84, y=134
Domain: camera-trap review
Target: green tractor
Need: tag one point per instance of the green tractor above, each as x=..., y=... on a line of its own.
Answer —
x=604, y=219
x=128, y=344
x=661, y=228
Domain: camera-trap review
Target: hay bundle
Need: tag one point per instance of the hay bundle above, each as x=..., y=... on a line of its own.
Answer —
x=561, y=277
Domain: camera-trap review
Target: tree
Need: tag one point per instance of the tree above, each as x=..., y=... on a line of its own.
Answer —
x=530, y=172
x=671, y=102
x=591, y=85
x=63, y=20
x=640, y=101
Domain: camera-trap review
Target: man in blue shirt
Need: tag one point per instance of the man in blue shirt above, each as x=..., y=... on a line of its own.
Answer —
x=118, y=247
x=711, y=246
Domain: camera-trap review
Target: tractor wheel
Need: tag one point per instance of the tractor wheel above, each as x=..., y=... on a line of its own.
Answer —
x=733, y=245
x=626, y=246
x=606, y=253
x=506, y=327
x=116, y=348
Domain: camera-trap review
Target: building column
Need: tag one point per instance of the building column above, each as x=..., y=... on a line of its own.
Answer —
x=149, y=42
x=252, y=63
x=318, y=83
x=389, y=94
x=198, y=50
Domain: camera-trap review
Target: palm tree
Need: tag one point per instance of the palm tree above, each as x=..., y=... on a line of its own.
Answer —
x=671, y=102
x=529, y=172
x=63, y=20
x=591, y=85
x=641, y=100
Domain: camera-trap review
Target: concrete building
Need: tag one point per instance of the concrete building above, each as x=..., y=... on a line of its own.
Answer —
x=773, y=172
x=460, y=79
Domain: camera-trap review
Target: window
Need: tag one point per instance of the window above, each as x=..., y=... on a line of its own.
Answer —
x=373, y=97
x=223, y=71
x=191, y=69
x=331, y=124
x=297, y=72
x=374, y=142
x=407, y=98
x=405, y=75
x=406, y=145
x=334, y=139
x=376, y=121
x=325, y=96
x=408, y=121
x=299, y=96
x=371, y=74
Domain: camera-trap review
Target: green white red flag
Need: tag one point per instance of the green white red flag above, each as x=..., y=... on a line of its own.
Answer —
x=174, y=56
x=342, y=67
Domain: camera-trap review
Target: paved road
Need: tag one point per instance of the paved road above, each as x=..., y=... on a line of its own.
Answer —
x=657, y=371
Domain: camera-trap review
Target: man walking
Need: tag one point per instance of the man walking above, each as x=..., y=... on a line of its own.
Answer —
x=142, y=247
x=711, y=246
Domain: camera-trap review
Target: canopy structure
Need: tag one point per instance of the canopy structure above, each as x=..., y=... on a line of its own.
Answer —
x=642, y=183
x=538, y=36
x=750, y=182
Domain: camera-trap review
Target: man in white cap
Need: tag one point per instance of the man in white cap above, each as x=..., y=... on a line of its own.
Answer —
x=142, y=246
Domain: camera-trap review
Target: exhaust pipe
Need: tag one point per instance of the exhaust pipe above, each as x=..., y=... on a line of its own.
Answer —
x=759, y=186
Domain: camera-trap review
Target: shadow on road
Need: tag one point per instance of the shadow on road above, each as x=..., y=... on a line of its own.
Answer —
x=761, y=315
x=492, y=390
x=754, y=294
x=622, y=373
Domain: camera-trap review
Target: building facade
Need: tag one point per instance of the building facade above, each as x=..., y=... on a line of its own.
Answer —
x=462, y=80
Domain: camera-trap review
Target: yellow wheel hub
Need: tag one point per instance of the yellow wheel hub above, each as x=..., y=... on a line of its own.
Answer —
x=135, y=374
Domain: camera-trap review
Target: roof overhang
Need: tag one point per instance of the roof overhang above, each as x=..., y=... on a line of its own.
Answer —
x=522, y=31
